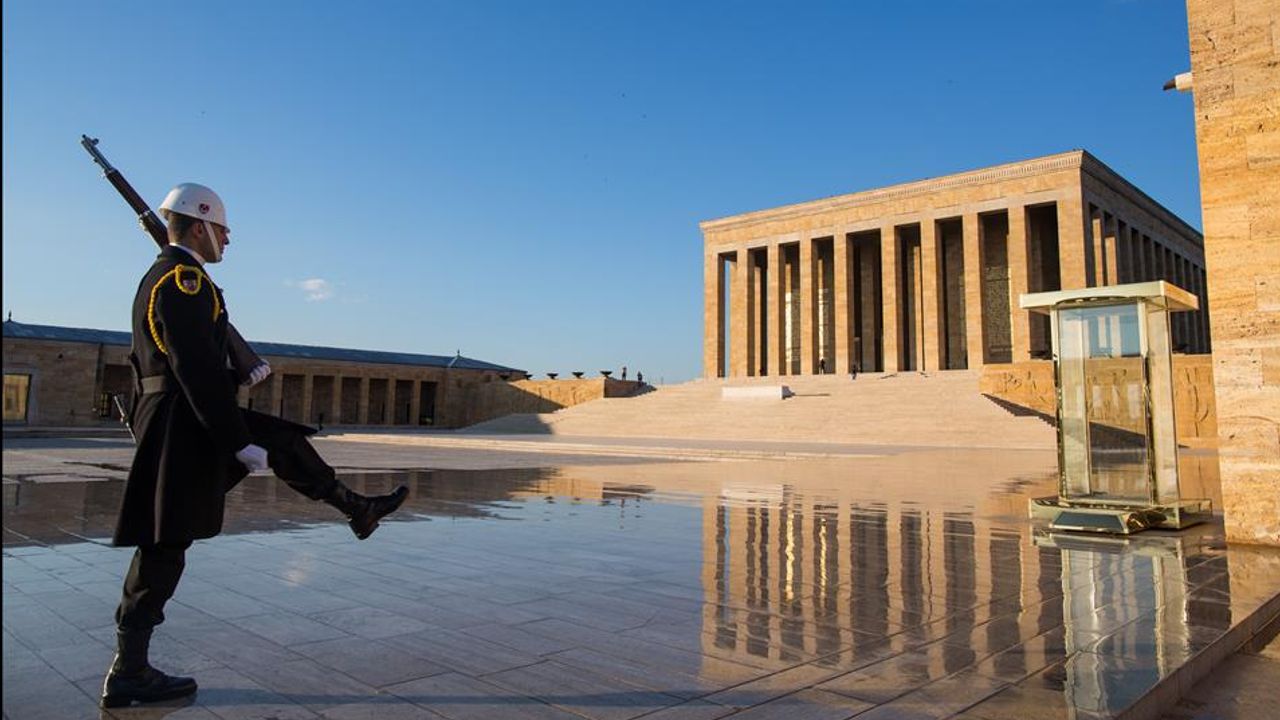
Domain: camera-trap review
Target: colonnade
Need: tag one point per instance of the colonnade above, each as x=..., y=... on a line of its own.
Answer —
x=927, y=292
x=334, y=398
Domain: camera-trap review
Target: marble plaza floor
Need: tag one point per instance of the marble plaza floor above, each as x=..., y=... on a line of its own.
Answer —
x=903, y=584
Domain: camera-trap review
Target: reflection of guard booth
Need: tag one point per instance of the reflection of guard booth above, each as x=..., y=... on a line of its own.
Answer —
x=1113, y=368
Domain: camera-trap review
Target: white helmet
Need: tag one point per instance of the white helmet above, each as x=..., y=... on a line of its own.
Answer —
x=196, y=201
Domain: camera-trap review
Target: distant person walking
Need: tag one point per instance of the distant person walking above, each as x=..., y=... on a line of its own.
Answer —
x=193, y=442
x=624, y=372
x=822, y=366
x=640, y=377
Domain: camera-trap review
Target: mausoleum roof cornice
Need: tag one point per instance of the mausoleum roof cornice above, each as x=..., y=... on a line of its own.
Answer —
x=1079, y=160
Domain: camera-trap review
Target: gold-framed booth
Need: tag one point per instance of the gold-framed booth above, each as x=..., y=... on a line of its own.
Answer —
x=1117, y=447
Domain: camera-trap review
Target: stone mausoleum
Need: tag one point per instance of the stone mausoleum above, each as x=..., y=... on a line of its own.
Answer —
x=61, y=376
x=926, y=275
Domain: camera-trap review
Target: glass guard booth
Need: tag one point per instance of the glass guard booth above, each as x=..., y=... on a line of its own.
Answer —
x=1117, y=449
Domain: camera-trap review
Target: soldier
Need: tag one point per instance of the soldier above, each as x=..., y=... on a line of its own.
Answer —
x=194, y=442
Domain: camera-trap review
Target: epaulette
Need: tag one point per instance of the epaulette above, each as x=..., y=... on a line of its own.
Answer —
x=189, y=279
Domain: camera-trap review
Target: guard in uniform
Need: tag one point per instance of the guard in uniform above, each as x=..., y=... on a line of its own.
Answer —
x=194, y=442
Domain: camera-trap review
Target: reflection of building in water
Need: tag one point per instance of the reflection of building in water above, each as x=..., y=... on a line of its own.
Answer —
x=846, y=583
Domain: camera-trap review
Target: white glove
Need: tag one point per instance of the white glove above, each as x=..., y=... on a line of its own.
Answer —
x=257, y=374
x=252, y=457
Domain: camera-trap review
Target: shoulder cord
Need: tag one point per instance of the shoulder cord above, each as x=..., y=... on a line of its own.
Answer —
x=176, y=272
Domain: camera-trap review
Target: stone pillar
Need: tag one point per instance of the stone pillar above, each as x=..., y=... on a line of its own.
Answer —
x=362, y=410
x=1110, y=250
x=277, y=392
x=1234, y=55
x=712, y=316
x=777, y=307
x=1093, y=247
x=335, y=406
x=973, y=263
x=891, y=314
x=242, y=396
x=841, y=258
x=1075, y=248
x=1019, y=273
x=740, y=316
x=389, y=406
x=808, y=306
x=415, y=401
x=308, y=387
x=932, y=340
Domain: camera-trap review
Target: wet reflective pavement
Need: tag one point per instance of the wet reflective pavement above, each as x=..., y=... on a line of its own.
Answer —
x=904, y=586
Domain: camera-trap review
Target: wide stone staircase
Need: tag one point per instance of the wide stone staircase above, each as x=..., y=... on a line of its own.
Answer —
x=943, y=409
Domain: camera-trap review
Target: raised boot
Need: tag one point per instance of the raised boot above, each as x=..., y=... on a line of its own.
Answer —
x=363, y=513
x=132, y=679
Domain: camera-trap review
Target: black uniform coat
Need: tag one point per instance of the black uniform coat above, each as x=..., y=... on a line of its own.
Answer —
x=188, y=433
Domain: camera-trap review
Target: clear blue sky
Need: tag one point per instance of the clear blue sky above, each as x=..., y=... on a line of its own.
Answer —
x=524, y=180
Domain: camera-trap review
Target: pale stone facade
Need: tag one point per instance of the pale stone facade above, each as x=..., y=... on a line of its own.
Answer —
x=926, y=275
x=69, y=375
x=1235, y=62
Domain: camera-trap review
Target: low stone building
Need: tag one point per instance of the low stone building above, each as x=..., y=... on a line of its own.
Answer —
x=61, y=376
x=926, y=275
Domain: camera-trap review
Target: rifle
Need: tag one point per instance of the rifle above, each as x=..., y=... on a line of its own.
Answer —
x=243, y=358
x=124, y=415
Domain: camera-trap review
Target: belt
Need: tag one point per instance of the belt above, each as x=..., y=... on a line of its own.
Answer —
x=157, y=384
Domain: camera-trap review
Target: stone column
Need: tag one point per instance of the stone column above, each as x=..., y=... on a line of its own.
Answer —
x=1075, y=248
x=932, y=341
x=1110, y=250
x=808, y=308
x=841, y=258
x=277, y=392
x=242, y=396
x=891, y=315
x=973, y=262
x=1019, y=272
x=335, y=405
x=712, y=316
x=389, y=407
x=776, y=306
x=362, y=411
x=415, y=401
x=740, y=316
x=308, y=387
x=1093, y=247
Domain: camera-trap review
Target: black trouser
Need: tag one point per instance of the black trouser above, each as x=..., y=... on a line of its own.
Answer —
x=291, y=456
x=153, y=576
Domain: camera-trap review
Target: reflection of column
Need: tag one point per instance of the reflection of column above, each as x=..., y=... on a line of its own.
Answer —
x=776, y=306
x=808, y=305
x=841, y=259
x=890, y=313
x=1019, y=273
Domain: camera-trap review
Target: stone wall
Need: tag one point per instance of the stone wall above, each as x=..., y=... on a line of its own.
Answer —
x=1030, y=384
x=65, y=379
x=68, y=380
x=496, y=399
x=1235, y=62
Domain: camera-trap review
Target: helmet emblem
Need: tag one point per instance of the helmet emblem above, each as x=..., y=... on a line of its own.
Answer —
x=204, y=208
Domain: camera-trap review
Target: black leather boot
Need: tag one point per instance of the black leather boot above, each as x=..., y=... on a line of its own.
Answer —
x=132, y=679
x=365, y=512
